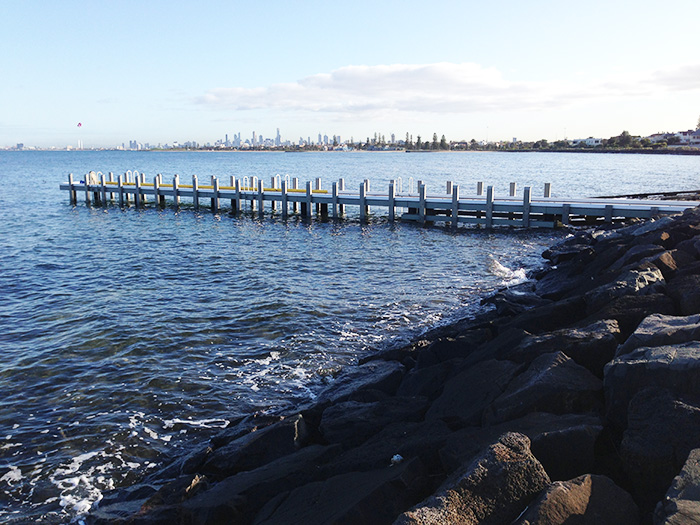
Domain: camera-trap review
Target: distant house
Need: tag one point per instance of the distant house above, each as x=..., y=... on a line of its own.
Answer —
x=590, y=142
x=686, y=136
x=695, y=139
x=660, y=137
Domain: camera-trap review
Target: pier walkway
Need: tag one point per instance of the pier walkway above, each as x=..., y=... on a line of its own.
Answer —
x=414, y=204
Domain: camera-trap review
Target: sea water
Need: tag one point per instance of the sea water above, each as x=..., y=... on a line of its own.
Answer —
x=129, y=334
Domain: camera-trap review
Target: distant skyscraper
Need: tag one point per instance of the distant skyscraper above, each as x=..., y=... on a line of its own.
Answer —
x=254, y=139
x=319, y=139
x=278, y=139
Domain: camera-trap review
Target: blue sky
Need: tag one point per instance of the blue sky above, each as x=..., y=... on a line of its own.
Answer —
x=175, y=71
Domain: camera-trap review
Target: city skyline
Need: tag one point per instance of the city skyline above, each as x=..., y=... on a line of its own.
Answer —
x=466, y=70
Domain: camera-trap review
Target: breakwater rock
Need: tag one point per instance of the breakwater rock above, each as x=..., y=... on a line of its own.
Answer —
x=575, y=395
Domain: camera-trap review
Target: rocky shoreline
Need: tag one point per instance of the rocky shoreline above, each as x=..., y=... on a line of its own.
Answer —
x=576, y=396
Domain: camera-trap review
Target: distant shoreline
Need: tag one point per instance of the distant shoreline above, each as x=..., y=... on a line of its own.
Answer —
x=629, y=151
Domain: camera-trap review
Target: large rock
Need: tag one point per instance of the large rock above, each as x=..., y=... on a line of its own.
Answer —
x=563, y=444
x=587, y=499
x=591, y=346
x=635, y=254
x=672, y=261
x=375, y=375
x=676, y=367
x=685, y=291
x=447, y=348
x=257, y=448
x=405, y=440
x=662, y=429
x=549, y=317
x=637, y=281
x=351, y=422
x=681, y=505
x=661, y=330
x=373, y=497
x=246, y=492
x=428, y=381
x=495, y=488
x=630, y=310
x=467, y=394
x=553, y=383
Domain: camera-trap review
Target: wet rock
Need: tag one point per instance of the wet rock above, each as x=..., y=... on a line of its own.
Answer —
x=243, y=426
x=495, y=488
x=245, y=493
x=591, y=346
x=352, y=422
x=447, y=348
x=510, y=302
x=257, y=448
x=662, y=429
x=377, y=375
x=552, y=383
x=661, y=330
x=676, y=367
x=681, y=505
x=548, y=317
x=588, y=499
x=467, y=394
x=373, y=497
x=429, y=381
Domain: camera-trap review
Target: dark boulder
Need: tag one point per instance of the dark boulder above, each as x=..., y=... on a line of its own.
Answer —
x=630, y=310
x=257, y=448
x=662, y=330
x=676, y=367
x=685, y=292
x=564, y=444
x=632, y=282
x=552, y=383
x=662, y=429
x=376, y=375
x=591, y=346
x=372, y=497
x=681, y=505
x=351, y=422
x=495, y=488
x=585, y=500
x=549, y=317
x=245, y=493
x=468, y=393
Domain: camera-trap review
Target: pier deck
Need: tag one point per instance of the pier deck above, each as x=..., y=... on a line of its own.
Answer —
x=483, y=208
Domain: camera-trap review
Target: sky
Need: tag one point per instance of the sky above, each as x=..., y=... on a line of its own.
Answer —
x=158, y=72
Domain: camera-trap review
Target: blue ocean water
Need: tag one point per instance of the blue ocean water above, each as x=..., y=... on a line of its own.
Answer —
x=126, y=333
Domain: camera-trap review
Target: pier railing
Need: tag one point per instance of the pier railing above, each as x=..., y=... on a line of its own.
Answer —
x=415, y=204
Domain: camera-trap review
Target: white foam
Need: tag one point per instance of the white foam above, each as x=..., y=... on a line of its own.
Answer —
x=13, y=476
x=200, y=423
x=510, y=277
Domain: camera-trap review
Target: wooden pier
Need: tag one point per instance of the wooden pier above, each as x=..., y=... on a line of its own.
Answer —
x=413, y=203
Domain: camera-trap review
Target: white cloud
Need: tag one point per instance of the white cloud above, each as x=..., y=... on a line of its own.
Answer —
x=440, y=88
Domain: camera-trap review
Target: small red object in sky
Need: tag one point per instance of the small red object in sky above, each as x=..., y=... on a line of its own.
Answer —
x=80, y=124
